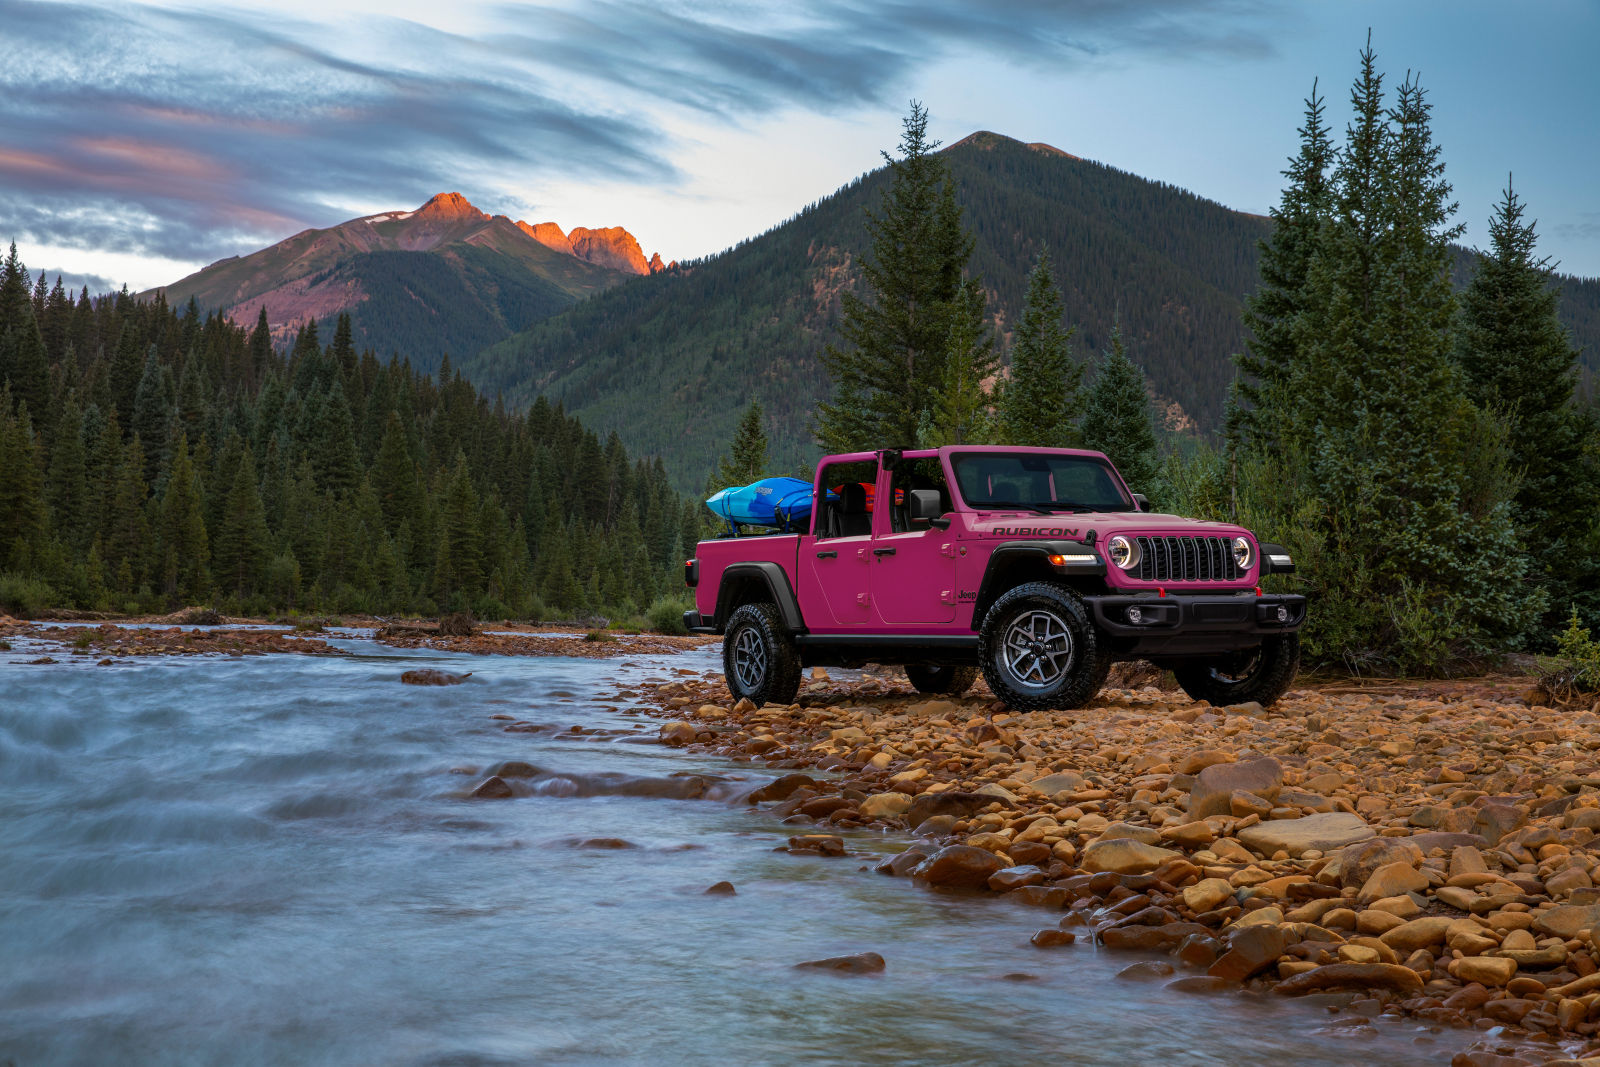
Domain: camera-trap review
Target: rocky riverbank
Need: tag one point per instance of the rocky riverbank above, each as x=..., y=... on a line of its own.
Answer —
x=112, y=642
x=1426, y=850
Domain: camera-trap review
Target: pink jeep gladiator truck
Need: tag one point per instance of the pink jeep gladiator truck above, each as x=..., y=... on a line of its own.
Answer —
x=1036, y=566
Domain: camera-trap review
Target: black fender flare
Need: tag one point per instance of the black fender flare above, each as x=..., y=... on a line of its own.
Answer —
x=990, y=588
x=776, y=580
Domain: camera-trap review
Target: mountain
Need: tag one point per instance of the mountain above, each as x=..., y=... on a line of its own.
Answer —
x=670, y=361
x=445, y=278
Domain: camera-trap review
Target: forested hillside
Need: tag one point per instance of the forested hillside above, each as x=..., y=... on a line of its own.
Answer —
x=671, y=361
x=151, y=458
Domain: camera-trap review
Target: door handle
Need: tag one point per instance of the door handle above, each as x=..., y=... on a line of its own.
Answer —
x=883, y=552
x=827, y=555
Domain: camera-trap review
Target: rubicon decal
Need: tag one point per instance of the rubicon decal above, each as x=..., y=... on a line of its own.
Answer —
x=1032, y=531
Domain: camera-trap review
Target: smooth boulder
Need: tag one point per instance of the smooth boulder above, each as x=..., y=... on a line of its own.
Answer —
x=1323, y=832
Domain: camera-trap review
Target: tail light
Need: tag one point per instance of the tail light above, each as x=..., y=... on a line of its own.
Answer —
x=691, y=573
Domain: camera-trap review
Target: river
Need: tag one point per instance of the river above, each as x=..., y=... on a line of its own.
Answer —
x=271, y=860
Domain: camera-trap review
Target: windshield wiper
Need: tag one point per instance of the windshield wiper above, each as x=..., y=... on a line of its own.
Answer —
x=1004, y=505
x=1064, y=504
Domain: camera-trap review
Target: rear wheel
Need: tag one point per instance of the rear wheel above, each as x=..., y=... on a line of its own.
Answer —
x=759, y=660
x=944, y=681
x=1038, y=649
x=1260, y=674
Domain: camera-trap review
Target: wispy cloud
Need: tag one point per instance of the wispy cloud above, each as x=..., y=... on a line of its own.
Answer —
x=190, y=134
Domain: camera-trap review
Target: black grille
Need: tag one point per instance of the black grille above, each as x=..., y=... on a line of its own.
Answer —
x=1186, y=559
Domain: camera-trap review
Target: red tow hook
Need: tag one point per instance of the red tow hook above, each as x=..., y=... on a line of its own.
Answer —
x=1161, y=592
x=1258, y=590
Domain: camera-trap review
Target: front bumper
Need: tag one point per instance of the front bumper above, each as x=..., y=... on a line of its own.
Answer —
x=1181, y=625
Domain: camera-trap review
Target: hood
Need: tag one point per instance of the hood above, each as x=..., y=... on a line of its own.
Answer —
x=1076, y=526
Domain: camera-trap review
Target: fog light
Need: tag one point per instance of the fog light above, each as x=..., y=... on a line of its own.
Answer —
x=1136, y=615
x=1283, y=613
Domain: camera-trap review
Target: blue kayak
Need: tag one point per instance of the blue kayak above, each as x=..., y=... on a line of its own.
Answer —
x=781, y=503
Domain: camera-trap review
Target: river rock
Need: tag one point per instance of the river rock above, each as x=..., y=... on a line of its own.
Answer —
x=1390, y=880
x=428, y=676
x=1059, y=782
x=1358, y=861
x=777, y=789
x=1214, y=786
x=1206, y=894
x=493, y=787
x=1131, y=832
x=959, y=867
x=1496, y=819
x=1146, y=970
x=1425, y=932
x=1125, y=856
x=1010, y=878
x=1195, y=834
x=1324, y=832
x=1566, y=920
x=721, y=889
x=678, y=734
x=1485, y=970
x=860, y=963
x=1390, y=976
x=926, y=806
x=885, y=805
x=1053, y=938
x=1251, y=950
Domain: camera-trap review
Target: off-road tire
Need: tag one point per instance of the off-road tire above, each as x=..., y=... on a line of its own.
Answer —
x=759, y=659
x=1071, y=662
x=941, y=681
x=1262, y=675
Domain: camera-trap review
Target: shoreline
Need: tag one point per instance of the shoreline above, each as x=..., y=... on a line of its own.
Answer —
x=162, y=636
x=1426, y=850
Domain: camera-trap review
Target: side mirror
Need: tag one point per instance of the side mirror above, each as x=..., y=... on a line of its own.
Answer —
x=1141, y=502
x=925, y=509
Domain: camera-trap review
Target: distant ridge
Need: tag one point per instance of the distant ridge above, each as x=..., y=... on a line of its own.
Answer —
x=445, y=277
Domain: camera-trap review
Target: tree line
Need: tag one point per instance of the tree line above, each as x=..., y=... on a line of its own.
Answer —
x=152, y=458
x=1423, y=454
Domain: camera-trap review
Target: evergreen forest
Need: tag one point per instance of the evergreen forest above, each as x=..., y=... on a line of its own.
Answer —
x=152, y=458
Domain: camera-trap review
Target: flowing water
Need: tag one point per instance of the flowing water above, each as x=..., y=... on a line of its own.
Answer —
x=269, y=860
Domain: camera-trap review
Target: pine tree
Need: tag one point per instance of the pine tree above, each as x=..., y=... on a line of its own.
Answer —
x=67, y=487
x=242, y=541
x=458, y=565
x=183, y=541
x=23, y=523
x=1385, y=448
x=889, y=372
x=1118, y=420
x=127, y=368
x=1261, y=395
x=1519, y=363
x=1040, y=404
x=127, y=531
x=394, y=477
x=152, y=414
x=962, y=409
x=260, y=357
x=746, y=460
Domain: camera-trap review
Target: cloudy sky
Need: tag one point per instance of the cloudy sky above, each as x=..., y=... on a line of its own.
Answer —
x=139, y=141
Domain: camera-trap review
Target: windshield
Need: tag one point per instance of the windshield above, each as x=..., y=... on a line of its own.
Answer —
x=1038, y=482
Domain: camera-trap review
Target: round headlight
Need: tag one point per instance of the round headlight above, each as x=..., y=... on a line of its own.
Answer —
x=1241, y=553
x=1123, y=551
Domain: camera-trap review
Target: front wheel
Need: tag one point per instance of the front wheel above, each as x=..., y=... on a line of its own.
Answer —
x=1039, y=650
x=1260, y=674
x=759, y=660
x=941, y=681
